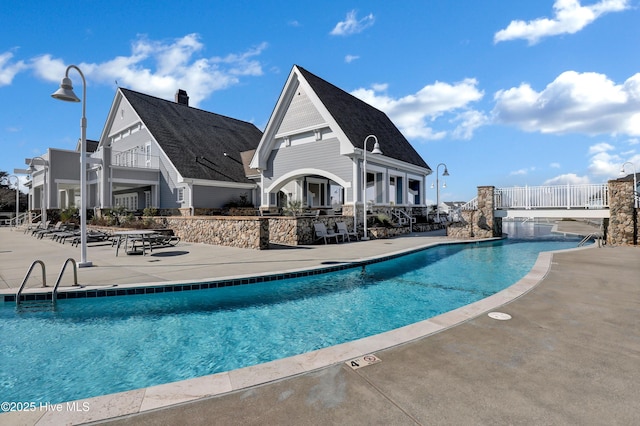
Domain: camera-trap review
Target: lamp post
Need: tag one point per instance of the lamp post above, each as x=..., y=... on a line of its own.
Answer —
x=376, y=150
x=65, y=93
x=444, y=185
x=17, y=197
x=635, y=182
x=43, y=193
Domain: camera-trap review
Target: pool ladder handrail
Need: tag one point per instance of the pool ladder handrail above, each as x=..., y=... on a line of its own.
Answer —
x=597, y=236
x=26, y=277
x=75, y=277
x=44, y=278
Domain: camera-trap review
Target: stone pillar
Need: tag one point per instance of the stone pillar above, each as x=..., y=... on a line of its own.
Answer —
x=479, y=223
x=623, y=217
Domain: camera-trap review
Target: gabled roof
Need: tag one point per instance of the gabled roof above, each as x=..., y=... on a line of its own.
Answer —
x=195, y=140
x=358, y=119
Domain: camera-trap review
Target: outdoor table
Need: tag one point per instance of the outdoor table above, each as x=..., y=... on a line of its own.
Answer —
x=142, y=234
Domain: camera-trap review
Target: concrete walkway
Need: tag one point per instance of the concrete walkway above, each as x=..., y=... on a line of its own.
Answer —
x=569, y=355
x=186, y=262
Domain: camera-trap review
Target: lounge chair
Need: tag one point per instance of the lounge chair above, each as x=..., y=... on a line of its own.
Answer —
x=344, y=231
x=42, y=232
x=163, y=240
x=36, y=226
x=322, y=233
x=92, y=237
x=39, y=227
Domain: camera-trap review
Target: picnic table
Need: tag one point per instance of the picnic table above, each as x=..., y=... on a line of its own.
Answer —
x=142, y=236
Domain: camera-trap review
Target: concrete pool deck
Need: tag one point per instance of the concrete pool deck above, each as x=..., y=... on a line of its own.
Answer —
x=568, y=355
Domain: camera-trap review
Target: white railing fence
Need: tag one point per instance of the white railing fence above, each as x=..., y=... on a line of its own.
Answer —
x=471, y=205
x=590, y=196
x=134, y=158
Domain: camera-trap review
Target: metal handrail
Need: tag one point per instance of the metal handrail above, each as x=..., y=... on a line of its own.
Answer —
x=75, y=277
x=26, y=277
x=399, y=213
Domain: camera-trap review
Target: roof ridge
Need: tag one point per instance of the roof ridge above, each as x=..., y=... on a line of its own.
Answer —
x=183, y=105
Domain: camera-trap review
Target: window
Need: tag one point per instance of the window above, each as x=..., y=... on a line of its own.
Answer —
x=180, y=195
x=128, y=201
x=147, y=199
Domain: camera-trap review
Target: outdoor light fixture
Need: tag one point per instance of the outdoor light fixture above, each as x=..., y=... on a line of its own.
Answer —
x=635, y=183
x=65, y=93
x=444, y=185
x=376, y=150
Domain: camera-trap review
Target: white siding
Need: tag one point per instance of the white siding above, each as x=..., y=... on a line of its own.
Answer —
x=301, y=114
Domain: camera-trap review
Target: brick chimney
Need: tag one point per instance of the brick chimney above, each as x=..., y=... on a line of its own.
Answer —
x=182, y=97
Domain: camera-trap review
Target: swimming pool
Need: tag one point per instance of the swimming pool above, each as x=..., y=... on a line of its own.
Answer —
x=97, y=346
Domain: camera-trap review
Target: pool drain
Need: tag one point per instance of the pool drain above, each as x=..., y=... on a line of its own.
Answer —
x=501, y=316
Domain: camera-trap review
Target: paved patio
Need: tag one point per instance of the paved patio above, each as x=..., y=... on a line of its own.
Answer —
x=184, y=262
x=569, y=355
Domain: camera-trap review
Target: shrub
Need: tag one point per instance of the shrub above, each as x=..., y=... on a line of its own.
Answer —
x=293, y=208
x=70, y=214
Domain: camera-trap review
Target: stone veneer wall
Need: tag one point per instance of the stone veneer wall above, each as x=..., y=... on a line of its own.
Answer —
x=623, y=217
x=242, y=232
x=479, y=223
x=293, y=231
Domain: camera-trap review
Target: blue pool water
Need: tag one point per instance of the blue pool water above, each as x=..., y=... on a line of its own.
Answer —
x=89, y=347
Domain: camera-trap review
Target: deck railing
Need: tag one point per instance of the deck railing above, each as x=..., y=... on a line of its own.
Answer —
x=589, y=196
x=134, y=158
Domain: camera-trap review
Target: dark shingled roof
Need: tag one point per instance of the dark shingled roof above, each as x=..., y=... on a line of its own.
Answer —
x=196, y=140
x=92, y=145
x=358, y=120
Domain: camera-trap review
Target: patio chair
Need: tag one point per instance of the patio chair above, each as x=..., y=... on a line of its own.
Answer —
x=342, y=230
x=322, y=233
x=92, y=237
x=39, y=227
x=35, y=226
x=42, y=232
x=163, y=240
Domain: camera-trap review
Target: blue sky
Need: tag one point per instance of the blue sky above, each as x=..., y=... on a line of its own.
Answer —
x=503, y=92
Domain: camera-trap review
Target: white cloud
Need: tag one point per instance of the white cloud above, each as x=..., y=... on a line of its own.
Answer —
x=160, y=68
x=574, y=102
x=600, y=147
x=605, y=161
x=469, y=121
x=415, y=113
x=568, y=178
x=569, y=18
x=8, y=69
x=522, y=172
x=350, y=58
x=351, y=24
